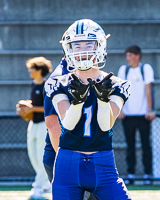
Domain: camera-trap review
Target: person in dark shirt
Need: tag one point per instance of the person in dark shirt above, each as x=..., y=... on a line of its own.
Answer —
x=52, y=119
x=38, y=68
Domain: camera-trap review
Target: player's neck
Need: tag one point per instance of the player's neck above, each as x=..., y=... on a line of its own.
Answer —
x=39, y=80
x=135, y=64
x=91, y=73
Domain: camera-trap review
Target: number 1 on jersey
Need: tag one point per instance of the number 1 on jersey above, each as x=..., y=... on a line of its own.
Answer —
x=87, y=125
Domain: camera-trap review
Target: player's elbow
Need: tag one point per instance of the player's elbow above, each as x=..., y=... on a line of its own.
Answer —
x=48, y=125
x=68, y=125
x=104, y=126
x=51, y=121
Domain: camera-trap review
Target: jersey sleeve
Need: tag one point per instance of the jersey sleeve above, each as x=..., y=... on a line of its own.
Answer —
x=57, y=72
x=53, y=87
x=121, y=88
x=61, y=69
x=148, y=74
x=48, y=106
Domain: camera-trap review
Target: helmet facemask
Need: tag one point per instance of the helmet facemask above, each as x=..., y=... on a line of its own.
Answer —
x=82, y=54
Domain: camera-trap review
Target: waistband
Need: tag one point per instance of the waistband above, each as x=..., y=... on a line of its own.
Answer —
x=76, y=155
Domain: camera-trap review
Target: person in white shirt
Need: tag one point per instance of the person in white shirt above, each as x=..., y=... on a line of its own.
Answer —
x=137, y=112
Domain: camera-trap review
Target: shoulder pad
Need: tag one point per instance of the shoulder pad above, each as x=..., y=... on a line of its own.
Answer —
x=117, y=81
x=50, y=86
x=63, y=79
x=122, y=87
x=55, y=84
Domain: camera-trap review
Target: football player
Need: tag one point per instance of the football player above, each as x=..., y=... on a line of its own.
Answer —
x=87, y=101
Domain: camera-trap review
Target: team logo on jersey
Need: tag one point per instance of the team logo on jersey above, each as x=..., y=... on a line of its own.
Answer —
x=121, y=86
x=51, y=86
x=125, y=89
x=37, y=92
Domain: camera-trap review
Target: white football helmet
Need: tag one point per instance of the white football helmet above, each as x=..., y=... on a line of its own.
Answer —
x=85, y=30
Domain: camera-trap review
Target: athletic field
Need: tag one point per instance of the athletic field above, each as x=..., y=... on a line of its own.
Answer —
x=136, y=192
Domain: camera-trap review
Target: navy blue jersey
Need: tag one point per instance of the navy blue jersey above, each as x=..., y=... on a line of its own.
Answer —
x=60, y=70
x=87, y=135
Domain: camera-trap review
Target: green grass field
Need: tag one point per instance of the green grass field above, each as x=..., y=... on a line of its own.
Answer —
x=137, y=192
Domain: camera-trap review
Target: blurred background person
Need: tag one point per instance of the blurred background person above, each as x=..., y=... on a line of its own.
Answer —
x=38, y=68
x=54, y=130
x=52, y=124
x=138, y=112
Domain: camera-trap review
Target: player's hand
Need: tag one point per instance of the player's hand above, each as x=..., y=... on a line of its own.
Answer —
x=150, y=116
x=24, y=111
x=78, y=90
x=104, y=88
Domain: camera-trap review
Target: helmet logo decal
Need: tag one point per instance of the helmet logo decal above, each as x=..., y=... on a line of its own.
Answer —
x=80, y=35
x=91, y=35
x=97, y=29
x=68, y=38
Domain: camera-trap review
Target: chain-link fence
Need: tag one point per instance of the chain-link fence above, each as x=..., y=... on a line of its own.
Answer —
x=14, y=161
x=120, y=149
x=15, y=164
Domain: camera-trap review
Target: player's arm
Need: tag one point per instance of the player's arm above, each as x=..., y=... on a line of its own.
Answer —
x=150, y=115
x=38, y=109
x=116, y=104
x=70, y=113
x=149, y=79
x=108, y=112
x=52, y=123
x=54, y=130
x=148, y=89
x=109, y=105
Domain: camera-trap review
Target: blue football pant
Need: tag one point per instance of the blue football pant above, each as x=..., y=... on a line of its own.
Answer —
x=76, y=172
x=49, y=171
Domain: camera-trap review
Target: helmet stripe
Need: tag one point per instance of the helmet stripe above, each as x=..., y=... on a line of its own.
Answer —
x=79, y=28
